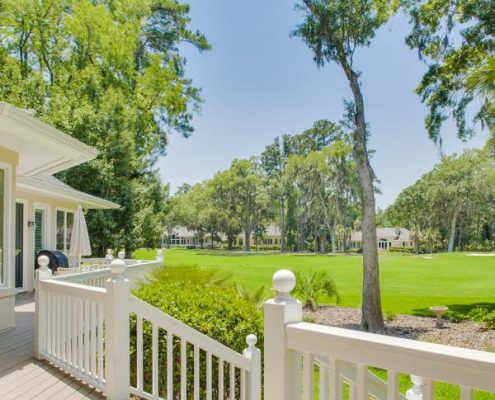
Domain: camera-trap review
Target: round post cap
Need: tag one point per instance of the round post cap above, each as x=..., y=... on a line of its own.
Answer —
x=283, y=282
x=43, y=261
x=121, y=254
x=118, y=267
x=251, y=340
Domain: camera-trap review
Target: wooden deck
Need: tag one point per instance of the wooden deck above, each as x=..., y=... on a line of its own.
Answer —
x=23, y=377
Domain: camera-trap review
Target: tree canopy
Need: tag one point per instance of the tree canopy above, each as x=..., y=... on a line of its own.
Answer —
x=109, y=73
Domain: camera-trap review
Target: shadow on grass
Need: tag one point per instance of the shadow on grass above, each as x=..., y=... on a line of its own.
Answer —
x=456, y=308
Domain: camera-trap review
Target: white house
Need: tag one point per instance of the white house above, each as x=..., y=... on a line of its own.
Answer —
x=36, y=209
x=386, y=238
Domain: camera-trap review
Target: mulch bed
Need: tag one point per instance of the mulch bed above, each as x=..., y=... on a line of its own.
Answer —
x=464, y=334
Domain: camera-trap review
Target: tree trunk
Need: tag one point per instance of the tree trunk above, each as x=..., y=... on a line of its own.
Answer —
x=229, y=242
x=416, y=240
x=247, y=240
x=372, y=317
x=453, y=224
x=332, y=238
x=282, y=225
x=323, y=243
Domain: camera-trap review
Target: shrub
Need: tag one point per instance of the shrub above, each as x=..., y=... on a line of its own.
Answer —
x=311, y=286
x=483, y=316
x=399, y=249
x=390, y=316
x=203, y=299
x=455, y=317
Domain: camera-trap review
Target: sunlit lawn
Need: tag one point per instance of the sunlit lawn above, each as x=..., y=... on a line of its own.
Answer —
x=409, y=284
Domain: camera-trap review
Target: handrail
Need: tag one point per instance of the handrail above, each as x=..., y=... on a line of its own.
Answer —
x=465, y=367
x=73, y=290
x=97, y=277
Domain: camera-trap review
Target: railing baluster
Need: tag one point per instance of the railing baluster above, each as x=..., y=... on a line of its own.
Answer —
x=196, y=372
x=170, y=365
x=101, y=371
x=243, y=384
x=308, y=376
x=183, y=369
x=208, y=376
x=334, y=380
x=361, y=381
x=80, y=319
x=63, y=327
x=139, y=353
x=93, y=339
x=75, y=317
x=48, y=313
x=428, y=389
x=154, y=361
x=324, y=378
x=466, y=393
x=220, y=379
x=232, y=381
x=86, y=337
x=392, y=385
x=69, y=331
x=58, y=332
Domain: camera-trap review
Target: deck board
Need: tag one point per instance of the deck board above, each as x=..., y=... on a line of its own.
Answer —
x=24, y=378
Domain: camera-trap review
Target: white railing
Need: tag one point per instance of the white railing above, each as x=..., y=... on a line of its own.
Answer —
x=87, y=332
x=188, y=353
x=296, y=351
x=135, y=270
x=70, y=329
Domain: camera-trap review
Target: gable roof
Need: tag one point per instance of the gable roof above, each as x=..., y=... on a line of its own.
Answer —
x=391, y=233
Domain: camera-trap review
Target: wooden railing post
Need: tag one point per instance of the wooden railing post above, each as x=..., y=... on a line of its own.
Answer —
x=282, y=366
x=117, y=338
x=254, y=381
x=42, y=273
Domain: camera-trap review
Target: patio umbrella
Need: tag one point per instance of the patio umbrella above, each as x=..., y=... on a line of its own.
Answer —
x=79, y=240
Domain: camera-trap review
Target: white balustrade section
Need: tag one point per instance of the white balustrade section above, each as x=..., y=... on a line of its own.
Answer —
x=70, y=328
x=85, y=331
x=135, y=270
x=186, y=346
x=295, y=351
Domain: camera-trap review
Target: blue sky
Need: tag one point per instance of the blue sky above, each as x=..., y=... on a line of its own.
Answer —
x=258, y=84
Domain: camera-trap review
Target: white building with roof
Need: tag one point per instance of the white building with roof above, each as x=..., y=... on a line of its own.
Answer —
x=386, y=238
x=36, y=209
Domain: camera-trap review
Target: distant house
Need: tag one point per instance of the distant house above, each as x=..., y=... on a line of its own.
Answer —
x=386, y=238
x=271, y=237
x=180, y=236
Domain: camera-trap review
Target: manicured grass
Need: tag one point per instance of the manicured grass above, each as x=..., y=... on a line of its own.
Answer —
x=409, y=284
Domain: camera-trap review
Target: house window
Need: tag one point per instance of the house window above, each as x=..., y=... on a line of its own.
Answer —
x=65, y=222
x=2, y=223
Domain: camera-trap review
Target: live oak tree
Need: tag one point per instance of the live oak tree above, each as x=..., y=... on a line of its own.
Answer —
x=452, y=205
x=456, y=40
x=109, y=73
x=334, y=30
x=240, y=192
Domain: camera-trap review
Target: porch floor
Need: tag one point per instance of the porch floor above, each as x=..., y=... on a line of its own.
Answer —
x=24, y=377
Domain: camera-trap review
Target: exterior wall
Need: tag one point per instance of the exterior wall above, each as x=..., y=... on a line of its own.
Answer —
x=32, y=201
x=9, y=161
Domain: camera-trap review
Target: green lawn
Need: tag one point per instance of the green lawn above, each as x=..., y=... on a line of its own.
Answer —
x=409, y=284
